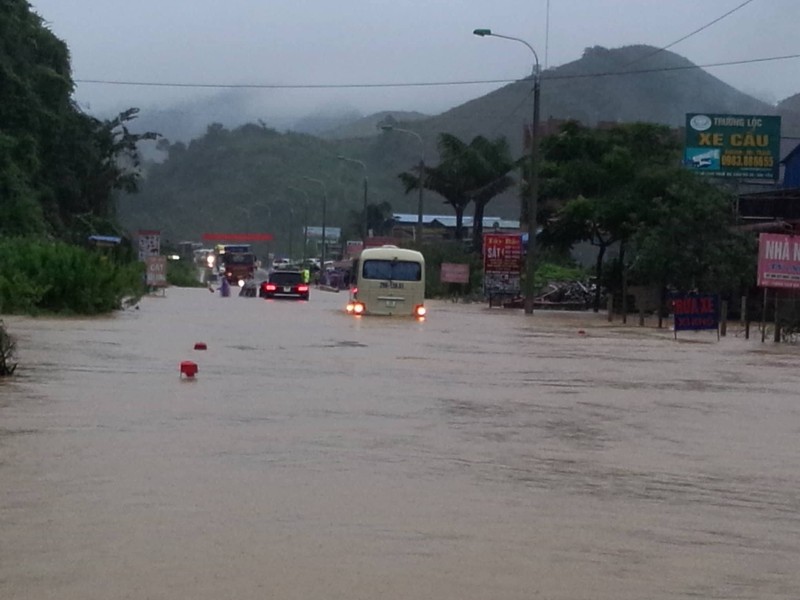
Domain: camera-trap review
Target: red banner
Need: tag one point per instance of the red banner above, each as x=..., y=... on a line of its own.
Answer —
x=237, y=237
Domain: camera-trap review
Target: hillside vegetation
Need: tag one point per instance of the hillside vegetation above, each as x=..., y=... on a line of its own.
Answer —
x=238, y=180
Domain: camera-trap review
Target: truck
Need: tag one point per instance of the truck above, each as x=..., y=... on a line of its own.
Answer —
x=236, y=263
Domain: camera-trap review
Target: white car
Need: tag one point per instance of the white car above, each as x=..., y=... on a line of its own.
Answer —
x=281, y=263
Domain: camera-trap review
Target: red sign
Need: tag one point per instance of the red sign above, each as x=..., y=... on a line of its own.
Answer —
x=238, y=237
x=502, y=264
x=454, y=273
x=502, y=252
x=778, y=261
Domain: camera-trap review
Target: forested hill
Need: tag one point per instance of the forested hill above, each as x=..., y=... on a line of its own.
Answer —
x=658, y=87
x=58, y=166
x=239, y=180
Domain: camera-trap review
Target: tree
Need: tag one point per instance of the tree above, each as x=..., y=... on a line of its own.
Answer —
x=603, y=178
x=477, y=172
x=690, y=240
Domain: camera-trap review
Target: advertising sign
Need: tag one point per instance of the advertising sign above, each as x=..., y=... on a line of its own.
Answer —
x=454, y=273
x=778, y=261
x=149, y=243
x=156, y=271
x=353, y=248
x=693, y=312
x=502, y=263
x=331, y=233
x=745, y=146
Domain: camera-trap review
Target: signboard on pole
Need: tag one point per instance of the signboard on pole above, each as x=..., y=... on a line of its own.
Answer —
x=694, y=312
x=778, y=261
x=149, y=243
x=331, y=233
x=502, y=264
x=744, y=146
x=454, y=273
x=156, y=271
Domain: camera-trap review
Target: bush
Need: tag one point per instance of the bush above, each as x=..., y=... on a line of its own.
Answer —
x=60, y=278
x=183, y=273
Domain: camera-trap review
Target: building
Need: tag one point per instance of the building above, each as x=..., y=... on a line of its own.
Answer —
x=443, y=227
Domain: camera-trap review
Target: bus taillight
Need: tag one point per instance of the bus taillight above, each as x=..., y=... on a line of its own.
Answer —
x=355, y=308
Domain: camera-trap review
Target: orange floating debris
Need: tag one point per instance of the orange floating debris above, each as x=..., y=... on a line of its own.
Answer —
x=188, y=368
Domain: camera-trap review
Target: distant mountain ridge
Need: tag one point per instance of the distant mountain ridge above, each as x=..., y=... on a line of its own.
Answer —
x=254, y=165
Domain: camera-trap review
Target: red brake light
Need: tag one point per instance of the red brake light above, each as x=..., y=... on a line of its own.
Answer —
x=271, y=287
x=302, y=287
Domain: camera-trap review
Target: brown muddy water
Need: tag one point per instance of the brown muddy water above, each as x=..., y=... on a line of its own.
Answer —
x=477, y=455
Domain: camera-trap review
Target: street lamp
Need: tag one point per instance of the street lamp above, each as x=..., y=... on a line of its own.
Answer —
x=533, y=184
x=305, y=221
x=390, y=127
x=365, y=221
x=324, y=217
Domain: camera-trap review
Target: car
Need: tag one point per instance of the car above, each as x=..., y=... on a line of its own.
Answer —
x=285, y=284
x=281, y=263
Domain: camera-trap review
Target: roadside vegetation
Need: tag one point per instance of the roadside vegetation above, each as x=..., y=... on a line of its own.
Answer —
x=56, y=277
x=60, y=171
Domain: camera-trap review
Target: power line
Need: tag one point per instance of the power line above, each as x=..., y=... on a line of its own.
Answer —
x=688, y=35
x=301, y=86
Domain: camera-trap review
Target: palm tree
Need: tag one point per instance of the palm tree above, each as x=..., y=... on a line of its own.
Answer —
x=474, y=172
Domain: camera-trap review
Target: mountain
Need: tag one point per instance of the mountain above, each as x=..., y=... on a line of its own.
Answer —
x=218, y=181
x=370, y=126
x=633, y=83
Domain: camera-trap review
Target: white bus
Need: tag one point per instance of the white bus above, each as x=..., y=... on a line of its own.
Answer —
x=388, y=281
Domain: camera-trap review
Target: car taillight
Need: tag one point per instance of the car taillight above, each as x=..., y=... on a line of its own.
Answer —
x=302, y=288
x=271, y=287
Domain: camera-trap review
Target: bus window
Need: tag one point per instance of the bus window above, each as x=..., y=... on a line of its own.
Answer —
x=392, y=270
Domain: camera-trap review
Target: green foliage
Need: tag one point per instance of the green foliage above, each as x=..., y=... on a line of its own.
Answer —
x=474, y=172
x=623, y=186
x=58, y=166
x=689, y=240
x=450, y=252
x=183, y=273
x=61, y=278
x=547, y=272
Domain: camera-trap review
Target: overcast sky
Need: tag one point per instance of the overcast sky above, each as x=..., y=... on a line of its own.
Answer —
x=396, y=41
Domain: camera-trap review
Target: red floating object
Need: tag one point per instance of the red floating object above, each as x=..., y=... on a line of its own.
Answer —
x=200, y=346
x=188, y=368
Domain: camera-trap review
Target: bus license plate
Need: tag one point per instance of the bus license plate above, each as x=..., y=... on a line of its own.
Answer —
x=391, y=304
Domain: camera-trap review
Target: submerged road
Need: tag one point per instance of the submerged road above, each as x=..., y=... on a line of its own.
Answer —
x=476, y=455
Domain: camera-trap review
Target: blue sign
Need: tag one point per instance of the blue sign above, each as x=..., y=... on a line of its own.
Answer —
x=693, y=312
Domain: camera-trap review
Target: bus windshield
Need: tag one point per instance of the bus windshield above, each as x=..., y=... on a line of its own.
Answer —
x=393, y=270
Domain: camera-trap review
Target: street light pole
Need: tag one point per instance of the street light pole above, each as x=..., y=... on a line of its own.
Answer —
x=324, y=217
x=305, y=221
x=364, y=218
x=533, y=183
x=420, y=183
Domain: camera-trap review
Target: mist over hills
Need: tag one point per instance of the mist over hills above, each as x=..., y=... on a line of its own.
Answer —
x=254, y=165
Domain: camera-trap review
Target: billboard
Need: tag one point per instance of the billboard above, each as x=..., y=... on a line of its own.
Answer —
x=454, y=273
x=744, y=146
x=331, y=233
x=502, y=264
x=778, y=261
x=149, y=243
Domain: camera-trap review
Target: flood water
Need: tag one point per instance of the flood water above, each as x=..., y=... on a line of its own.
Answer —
x=477, y=455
